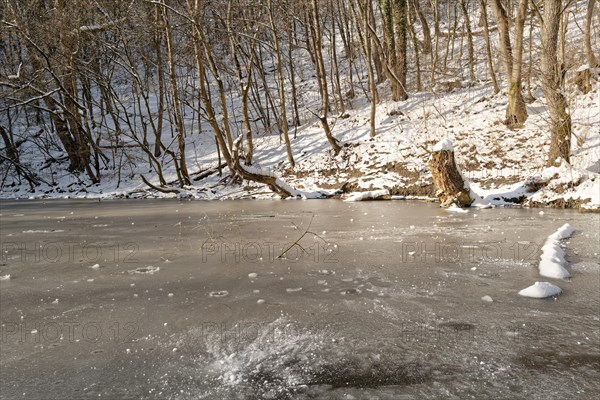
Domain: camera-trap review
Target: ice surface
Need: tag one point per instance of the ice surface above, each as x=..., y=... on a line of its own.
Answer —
x=375, y=322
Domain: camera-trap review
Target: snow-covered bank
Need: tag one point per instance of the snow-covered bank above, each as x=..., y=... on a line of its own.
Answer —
x=504, y=166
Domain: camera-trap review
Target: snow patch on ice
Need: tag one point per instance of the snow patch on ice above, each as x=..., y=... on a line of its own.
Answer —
x=456, y=209
x=541, y=290
x=4, y=277
x=370, y=195
x=553, y=263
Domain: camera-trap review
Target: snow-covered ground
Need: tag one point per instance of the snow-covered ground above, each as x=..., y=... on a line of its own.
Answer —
x=503, y=166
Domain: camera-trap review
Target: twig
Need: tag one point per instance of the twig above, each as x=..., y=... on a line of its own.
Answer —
x=296, y=243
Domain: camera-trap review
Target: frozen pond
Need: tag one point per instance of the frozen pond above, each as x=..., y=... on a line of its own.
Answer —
x=383, y=300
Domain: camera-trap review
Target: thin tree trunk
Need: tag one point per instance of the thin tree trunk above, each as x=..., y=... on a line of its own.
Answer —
x=400, y=11
x=322, y=76
x=280, y=77
x=587, y=36
x=179, y=126
x=551, y=74
x=161, y=84
x=465, y=10
x=516, y=111
x=488, y=48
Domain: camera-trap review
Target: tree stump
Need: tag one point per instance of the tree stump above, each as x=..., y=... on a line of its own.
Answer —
x=448, y=181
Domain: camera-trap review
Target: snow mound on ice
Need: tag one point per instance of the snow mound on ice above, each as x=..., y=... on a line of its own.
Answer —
x=371, y=195
x=552, y=263
x=564, y=232
x=454, y=208
x=541, y=290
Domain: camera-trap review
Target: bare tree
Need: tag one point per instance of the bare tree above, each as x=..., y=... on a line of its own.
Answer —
x=516, y=112
x=552, y=77
x=317, y=42
x=587, y=36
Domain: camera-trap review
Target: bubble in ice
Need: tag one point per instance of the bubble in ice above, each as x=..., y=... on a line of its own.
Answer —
x=326, y=272
x=292, y=290
x=219, y=293
x=149, y=270
x=252, y=275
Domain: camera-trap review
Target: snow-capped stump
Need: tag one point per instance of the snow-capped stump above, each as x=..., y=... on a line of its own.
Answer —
x=450, y=185
x=541, y=290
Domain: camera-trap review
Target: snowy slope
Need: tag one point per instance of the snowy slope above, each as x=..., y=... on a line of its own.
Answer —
x=503, y=166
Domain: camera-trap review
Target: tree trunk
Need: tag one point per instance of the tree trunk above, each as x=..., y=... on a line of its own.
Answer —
x=179, y=126
x=516, y=112
x=426, y=46
x=464, y=7
x=400, y=17
x=448, y=180
x=488, y=49
x=280, y=77
x=551, y=74
x=161, y=83
x=589, y=52
x=322, y=76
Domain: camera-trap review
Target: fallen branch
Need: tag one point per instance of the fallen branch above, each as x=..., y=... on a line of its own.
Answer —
x=158, y=188
x=268, y=178
x=207, y=172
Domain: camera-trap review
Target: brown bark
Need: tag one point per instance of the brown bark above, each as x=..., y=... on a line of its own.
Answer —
x=448, y=180
x=179, y=125
x=516, y=112
x=322, y=75
x=463, y=5
x=488, y=49
x=587, y=36
x=400, y=11
x=280, y=77
x=551, y=74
